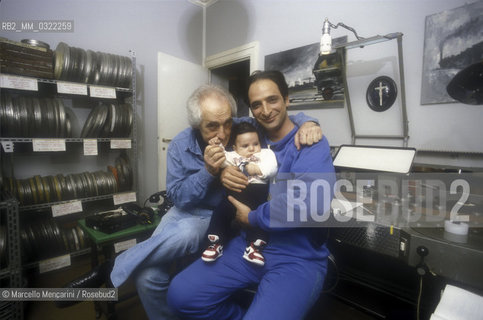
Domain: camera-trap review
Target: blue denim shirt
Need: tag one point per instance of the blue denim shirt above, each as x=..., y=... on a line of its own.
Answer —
x=188, y=183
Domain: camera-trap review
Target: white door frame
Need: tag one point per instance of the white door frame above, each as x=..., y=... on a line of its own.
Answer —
x=249, y=51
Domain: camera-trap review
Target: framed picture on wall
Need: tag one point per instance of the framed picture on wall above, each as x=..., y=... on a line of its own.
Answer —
x=315, y=81
x=453, y=40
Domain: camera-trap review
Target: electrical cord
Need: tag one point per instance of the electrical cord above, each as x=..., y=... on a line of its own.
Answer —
x=418, y=308
x=332, y=260
x=145, y=201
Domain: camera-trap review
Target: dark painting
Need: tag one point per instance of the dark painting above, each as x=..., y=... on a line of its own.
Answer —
x=453, y=40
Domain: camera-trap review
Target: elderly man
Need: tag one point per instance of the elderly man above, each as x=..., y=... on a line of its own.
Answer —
x=193, y=184
x=296, y=256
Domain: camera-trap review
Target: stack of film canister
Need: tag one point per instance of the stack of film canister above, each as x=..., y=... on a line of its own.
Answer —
x=26, y=116
x=29, y=57
x=123, y=171
x=32, y=117
x=44, y=189
x=42, y=238
x=87, y=66
x=108, y=120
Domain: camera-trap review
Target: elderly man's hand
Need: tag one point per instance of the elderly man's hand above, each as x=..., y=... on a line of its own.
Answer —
x=308, y=134
x=242, y=211
x=233, y=179
x=214, y=156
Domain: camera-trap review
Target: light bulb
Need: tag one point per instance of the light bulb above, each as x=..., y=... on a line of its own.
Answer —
x=325, y=44
x=326, y=39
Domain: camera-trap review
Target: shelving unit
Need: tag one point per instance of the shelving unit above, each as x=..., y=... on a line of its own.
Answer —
x=10, y=268
x=67, y=210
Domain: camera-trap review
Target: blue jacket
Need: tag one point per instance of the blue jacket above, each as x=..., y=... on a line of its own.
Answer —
x=309, y=164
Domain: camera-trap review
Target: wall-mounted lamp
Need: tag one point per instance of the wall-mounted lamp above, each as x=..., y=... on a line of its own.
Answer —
x=326, y=39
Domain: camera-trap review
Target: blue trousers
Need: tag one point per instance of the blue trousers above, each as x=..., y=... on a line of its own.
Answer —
x=287, y=286
x=149, y=262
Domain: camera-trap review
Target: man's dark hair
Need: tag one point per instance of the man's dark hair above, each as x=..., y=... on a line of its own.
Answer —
x=274, y=75
x=241, y=128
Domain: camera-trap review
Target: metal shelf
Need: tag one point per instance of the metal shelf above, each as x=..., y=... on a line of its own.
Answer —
x=10, y=208
x=52, y=81
x=35, y=264
x=50, y=204
x=67, y=140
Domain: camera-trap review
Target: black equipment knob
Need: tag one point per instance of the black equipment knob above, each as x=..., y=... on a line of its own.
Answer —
x=422, y=251
x=422, y=268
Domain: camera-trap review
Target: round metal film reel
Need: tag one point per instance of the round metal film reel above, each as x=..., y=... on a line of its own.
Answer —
x=59, y=57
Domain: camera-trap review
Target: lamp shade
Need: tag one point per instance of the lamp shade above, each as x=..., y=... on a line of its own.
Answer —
x=325, y=44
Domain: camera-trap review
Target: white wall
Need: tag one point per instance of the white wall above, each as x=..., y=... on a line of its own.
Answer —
x=281, y=25
x=117, y=26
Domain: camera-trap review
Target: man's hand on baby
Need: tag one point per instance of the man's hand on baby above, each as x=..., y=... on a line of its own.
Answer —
x=233, y=179
x=214, y=156
x=242, y=211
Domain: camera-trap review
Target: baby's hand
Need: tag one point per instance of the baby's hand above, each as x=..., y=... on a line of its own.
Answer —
x=253, y=170
x=214, y=141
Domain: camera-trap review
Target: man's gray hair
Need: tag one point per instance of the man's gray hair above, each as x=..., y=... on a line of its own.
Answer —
x=193, y=105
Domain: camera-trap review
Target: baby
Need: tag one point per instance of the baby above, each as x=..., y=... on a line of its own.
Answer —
x=259, y=165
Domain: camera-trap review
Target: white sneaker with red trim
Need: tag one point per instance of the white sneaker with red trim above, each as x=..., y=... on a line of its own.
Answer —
x=253, y=253
x=214, y=251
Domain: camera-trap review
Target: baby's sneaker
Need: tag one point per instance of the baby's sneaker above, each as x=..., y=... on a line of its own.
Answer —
x=253, y=252
x=214, y=251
